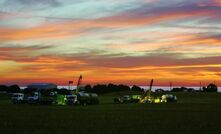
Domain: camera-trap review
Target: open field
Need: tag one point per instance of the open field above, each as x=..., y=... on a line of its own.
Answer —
x=194, y=113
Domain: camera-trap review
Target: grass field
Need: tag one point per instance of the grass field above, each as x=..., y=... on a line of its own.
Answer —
x=195, y=113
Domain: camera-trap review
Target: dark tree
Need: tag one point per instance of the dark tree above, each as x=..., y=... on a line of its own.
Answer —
x=61, y=91
x=182, y=89
x=136, y=88
x=113, y=88
x=88, y=89
x=14, y=89
x=211, y=88
x=100, y=89
x=3, y=88
x=124, y=87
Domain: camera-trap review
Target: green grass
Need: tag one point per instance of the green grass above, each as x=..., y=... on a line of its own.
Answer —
x=194, y=113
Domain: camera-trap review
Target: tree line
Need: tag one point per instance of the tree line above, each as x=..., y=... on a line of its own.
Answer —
x=106, y=88
x=210, y=88
x=99, y=89
x=103, y=88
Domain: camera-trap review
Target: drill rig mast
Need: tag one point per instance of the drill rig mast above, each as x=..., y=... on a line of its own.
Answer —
x=79, y=83
x=147, y=95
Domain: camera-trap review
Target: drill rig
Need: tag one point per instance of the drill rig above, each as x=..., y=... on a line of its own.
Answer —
x=147, y=98
x=78, y=84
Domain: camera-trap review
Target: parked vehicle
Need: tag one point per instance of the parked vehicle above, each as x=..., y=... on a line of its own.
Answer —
x=18, y=98
x=87, y=98
x=168, y=98
x=127, y=99
x=34, y=98
x=71, y=99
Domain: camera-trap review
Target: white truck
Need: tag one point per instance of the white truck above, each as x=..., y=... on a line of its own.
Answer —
x=18, y=98
x=34, y=98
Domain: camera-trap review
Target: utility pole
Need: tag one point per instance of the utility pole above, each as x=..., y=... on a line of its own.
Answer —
x=171, y=84
x=200, y=86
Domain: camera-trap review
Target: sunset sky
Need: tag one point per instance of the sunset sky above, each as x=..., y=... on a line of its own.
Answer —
x=110, y=41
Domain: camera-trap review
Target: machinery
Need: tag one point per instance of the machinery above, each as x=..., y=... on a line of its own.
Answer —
x=85, y=98
x=78, y=84
x=66, y=99
x=147, y=98
x=48, y=97
x=128, y=99
x=77, y=97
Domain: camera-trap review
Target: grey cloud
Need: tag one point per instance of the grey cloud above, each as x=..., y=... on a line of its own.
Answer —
x=53, y=3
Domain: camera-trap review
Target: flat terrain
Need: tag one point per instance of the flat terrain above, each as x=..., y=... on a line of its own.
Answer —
x=195, y=113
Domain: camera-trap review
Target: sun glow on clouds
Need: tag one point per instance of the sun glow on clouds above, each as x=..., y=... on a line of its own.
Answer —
x=125, y=41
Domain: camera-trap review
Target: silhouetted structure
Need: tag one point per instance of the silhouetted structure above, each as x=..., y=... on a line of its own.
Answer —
x=136, y=88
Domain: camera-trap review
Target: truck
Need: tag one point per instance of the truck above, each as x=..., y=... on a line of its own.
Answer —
x=69, y=99
x=34, y=98
x=87, y=98
x=127, y=99
x=84, y=98
x=165, y=98
x=18, y=98
x=77, y=99
x=147, y=97
x=47, y=99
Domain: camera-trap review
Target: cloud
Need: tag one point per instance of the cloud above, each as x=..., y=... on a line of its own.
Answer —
x=21, y=4
x=132, y=41
x=34, y=2
x=124, y=69
x=132, y=18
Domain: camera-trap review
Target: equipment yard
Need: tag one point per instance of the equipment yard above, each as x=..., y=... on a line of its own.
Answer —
x=193, y=113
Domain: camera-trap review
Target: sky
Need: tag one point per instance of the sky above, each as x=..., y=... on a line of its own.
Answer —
x=110, y=41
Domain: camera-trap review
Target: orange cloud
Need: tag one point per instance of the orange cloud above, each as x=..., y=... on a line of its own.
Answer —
x=217, y=2
x=104, y=70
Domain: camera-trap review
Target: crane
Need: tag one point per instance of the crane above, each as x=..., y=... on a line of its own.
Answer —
x=150, y=88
